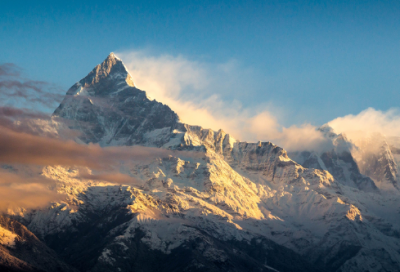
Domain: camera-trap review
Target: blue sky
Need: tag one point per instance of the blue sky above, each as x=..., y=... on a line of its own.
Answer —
x=316, y=59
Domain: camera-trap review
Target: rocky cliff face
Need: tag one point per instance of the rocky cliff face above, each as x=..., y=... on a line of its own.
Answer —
x=236, y=207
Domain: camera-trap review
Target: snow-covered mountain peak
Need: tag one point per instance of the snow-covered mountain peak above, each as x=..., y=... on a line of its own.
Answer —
x=107, y=108
x=111, y=69
x=112, y=55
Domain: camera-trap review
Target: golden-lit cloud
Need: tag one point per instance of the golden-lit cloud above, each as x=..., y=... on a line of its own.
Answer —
x=190, y=88
x=24, y=148
x=23, y=191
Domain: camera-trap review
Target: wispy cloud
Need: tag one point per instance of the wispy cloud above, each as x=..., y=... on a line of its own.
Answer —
x=9, y=70
x=17, y=90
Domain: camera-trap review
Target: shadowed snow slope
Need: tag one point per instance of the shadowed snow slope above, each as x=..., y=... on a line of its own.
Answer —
x=236, y=207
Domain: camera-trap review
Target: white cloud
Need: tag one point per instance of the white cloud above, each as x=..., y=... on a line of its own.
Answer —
x=367, y=125
x=208, y=95
x=369, y=120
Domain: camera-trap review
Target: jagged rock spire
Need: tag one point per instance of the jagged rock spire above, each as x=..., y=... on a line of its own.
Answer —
x=112, y=67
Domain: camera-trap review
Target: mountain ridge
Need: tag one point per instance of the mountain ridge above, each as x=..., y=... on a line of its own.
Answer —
x=237, y=204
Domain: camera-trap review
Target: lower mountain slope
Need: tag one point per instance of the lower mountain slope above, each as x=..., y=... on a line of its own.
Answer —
x=122, y=228
x=20, y=250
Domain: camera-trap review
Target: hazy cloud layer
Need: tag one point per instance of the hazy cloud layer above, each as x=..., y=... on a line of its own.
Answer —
x=23, y=148
x=18, y=190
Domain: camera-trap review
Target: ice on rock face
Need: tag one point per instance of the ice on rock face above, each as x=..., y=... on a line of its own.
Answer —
x=235, y=197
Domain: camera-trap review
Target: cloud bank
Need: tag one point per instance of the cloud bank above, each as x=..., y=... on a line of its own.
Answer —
x=197, y=92
x=369, y=121
x=193, y=90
